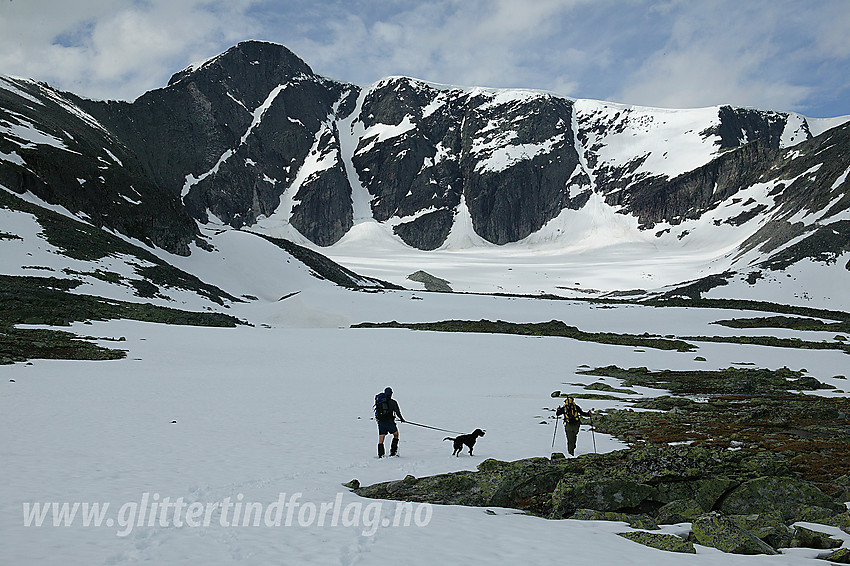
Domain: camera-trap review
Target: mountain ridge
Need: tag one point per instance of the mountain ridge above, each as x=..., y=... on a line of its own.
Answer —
x=254, y=138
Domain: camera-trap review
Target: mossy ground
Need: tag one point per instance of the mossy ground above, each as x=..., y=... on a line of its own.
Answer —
x=551, y=328
x=645, y=340
x=47, y=301
x=752, y=410
x=790, y=322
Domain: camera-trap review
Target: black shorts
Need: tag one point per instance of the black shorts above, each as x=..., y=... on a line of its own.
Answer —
x=387, y=427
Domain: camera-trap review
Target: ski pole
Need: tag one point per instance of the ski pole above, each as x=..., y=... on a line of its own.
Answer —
x=592, y=434
x=556, y=430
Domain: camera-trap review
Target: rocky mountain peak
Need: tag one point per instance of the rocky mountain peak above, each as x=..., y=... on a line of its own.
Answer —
x=253, y=136
x=249, y=70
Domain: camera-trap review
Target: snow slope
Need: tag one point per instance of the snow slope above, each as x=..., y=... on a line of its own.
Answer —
x=224, y=416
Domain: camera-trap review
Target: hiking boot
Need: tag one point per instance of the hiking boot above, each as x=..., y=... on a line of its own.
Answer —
x=380, y=450
x=394, y=447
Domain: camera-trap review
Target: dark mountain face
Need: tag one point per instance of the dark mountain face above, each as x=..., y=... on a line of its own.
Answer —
x=65, y=157
x=811, y=203
x=688, y=196
x=254, y=133
x=230, y=136
x=445, y=144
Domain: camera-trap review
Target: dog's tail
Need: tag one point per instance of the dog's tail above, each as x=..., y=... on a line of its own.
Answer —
x=448, y=438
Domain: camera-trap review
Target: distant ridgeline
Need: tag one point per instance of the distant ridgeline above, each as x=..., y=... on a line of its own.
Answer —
x=253, y=133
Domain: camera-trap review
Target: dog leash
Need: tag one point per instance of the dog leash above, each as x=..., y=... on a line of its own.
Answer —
x=434, y=428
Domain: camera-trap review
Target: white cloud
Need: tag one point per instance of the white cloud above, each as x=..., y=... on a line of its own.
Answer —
x=758, y=54
x=673, y=53
x=696, y=77
x=457, y=42
x=113, y=48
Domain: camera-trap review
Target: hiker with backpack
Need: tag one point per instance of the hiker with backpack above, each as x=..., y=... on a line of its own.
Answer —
x=572, y=421
x=386, y=408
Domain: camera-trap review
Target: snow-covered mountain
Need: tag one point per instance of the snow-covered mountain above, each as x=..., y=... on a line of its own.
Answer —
x=254, y=139
x=186, y=241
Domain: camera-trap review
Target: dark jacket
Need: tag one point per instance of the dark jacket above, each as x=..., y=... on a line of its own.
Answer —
x=394, y=410
x=573, y=419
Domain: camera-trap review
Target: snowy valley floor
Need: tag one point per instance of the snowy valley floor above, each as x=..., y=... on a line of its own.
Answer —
x=200, y=415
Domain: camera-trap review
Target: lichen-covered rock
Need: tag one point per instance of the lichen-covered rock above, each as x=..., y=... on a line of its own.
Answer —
x=635, y=521
x=807, y=538
x=841, y=520
x=822, y=515
x=526, y=487
x=679, y=511
x=784, y=495
x=842, y=484
x=671, y=483
x=769, y=527
x=459, y=488
x=610, y=494
x=722, y=533
x=766, y=464
x=523, y=484
x=705, y=492
x=660, y=464
x=840, y=556
x=491, y=464
x=670, y=543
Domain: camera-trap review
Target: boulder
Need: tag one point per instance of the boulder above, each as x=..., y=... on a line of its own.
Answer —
x=635, y=521
x=460, y=488
x=431, y=282
x=606, y=494
x=784, y=495
x=526, y=487
x=679, y=511
x=807, y=538
x=670, y=543
x=840, y=556
x=766, y=464
x=524, y=484
x=822, y=515
x=705, y=492
x=769, y=527
x=682, y=463
x=842, y=520
x=722, y=533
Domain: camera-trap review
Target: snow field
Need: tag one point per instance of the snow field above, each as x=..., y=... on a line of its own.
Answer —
x=262, y=411
x=284, y=407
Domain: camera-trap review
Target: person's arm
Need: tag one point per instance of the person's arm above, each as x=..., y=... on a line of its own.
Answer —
x=559, y=411
x=398, y=411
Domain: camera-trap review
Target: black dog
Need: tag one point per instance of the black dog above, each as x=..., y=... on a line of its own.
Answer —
x=468, y=439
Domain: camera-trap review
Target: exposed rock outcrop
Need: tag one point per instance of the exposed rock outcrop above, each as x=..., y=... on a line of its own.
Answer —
x=431, y=282
x=737, y=502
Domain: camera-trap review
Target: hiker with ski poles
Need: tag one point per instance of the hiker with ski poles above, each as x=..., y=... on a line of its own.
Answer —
x=572, y=422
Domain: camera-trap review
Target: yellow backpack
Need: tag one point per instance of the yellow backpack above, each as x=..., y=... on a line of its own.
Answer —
x=571, y=411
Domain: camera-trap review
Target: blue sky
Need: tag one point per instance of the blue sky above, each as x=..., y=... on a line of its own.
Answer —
x=772, y=54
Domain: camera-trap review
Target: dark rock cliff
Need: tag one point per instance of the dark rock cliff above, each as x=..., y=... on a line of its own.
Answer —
x=254, y=132
x=76, y=163
x=230, y=136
